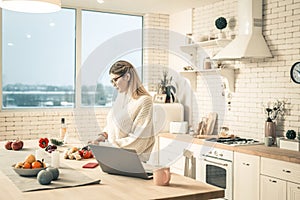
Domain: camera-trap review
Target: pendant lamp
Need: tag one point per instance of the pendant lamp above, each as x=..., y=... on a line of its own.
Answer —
x=31, y=6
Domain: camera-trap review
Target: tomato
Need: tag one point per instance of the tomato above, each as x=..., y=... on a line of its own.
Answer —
x=81, y=152
x=92, y=155
x=86, y=154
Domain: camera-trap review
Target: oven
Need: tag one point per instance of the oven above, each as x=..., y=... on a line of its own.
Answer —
x=216, y=169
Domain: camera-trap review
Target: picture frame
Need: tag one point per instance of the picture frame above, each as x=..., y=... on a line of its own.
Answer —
x=160, y=98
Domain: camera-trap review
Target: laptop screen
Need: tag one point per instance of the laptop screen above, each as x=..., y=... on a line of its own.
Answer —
x=119, y=161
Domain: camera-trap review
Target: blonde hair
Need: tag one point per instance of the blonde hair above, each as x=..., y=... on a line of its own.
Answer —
x=135, y=87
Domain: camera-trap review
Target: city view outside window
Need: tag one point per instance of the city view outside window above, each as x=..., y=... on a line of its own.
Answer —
x=38, y=59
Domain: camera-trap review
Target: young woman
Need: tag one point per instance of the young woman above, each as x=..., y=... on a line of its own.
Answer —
x=129, y=122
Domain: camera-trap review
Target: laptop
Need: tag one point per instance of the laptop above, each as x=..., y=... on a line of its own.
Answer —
x=118, y=161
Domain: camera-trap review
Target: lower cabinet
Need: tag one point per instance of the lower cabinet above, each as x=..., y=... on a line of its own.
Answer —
x=272, y=188
x=279, y=180
x=246, y=176
x=293, y=191
x=171, y=153
x=254, y=177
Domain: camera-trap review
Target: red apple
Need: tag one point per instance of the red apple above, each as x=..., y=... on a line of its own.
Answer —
x=8, y=145
x=17, y=145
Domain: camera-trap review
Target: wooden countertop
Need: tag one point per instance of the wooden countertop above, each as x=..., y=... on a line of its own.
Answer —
x=112, y=186
x=258, y=150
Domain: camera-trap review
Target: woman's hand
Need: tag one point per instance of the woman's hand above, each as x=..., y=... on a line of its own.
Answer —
x=93, y=142
x=102, y=137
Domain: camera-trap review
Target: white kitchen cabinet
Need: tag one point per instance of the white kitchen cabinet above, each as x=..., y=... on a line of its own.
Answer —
x=246, y=176
x=171, y=153
x=280, y=169
x=293, y=191
x=279, y=178
x=272, y=188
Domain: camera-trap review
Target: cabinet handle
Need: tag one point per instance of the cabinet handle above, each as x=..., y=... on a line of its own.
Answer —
x=247, y=164
x=273, y=181
x=286, y=171
x=217, y=163
x=298, y=188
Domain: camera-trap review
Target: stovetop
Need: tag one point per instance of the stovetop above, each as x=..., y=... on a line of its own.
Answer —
x=234, y=141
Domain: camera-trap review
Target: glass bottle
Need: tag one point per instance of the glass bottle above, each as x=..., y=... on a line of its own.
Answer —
x=63, y=129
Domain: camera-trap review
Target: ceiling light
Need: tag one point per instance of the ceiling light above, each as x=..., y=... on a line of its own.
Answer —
x=31, y=6
x=100, y=1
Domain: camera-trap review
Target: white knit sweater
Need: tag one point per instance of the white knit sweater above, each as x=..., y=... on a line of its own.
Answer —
x=130, y=125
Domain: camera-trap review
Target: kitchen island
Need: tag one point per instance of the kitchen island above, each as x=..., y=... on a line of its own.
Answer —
x=110, y=187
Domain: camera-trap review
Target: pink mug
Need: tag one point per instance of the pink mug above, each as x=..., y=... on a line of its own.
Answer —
x=162, y=176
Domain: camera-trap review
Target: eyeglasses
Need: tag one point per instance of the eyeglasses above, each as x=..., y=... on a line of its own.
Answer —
x=114, y=80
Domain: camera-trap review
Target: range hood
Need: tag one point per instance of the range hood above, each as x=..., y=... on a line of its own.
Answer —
x=249, y=43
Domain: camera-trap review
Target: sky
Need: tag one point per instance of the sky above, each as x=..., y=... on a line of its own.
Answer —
x=40, y=48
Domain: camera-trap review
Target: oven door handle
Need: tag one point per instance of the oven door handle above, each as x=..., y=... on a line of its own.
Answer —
x=217, y=163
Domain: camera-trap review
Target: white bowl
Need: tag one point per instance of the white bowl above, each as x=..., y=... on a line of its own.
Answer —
x=27, y=172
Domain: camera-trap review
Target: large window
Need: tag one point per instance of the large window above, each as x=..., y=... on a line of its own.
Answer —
x=107, y=37
x=39, y=57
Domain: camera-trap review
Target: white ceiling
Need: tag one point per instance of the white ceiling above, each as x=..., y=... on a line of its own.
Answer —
x=139, y=6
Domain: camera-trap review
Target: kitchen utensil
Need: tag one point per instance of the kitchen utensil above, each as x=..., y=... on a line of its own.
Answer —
x=211, y=122
x=207, y=63
x=269, y=141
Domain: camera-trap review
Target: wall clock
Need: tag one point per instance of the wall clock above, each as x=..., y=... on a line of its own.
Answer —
x=295, y=72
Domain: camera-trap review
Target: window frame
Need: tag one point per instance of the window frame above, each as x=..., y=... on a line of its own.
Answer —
x=78, y=61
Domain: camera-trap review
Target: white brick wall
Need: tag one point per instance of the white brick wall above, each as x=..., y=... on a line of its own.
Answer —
x=46, y=123
x=257, y=81
x=156, y=43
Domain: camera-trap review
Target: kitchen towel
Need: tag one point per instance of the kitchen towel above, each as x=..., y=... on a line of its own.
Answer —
x=69, y=177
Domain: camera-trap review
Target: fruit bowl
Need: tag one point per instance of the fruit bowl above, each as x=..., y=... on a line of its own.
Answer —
x=27, y=172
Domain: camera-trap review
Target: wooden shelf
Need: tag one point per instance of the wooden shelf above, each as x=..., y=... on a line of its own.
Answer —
x=191, y=48
x=191, y=75
x=211, y=47
x=214, y=43
x=227, y=73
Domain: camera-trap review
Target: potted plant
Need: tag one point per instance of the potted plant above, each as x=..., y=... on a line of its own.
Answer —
x=221, y=23
x=165, y=87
